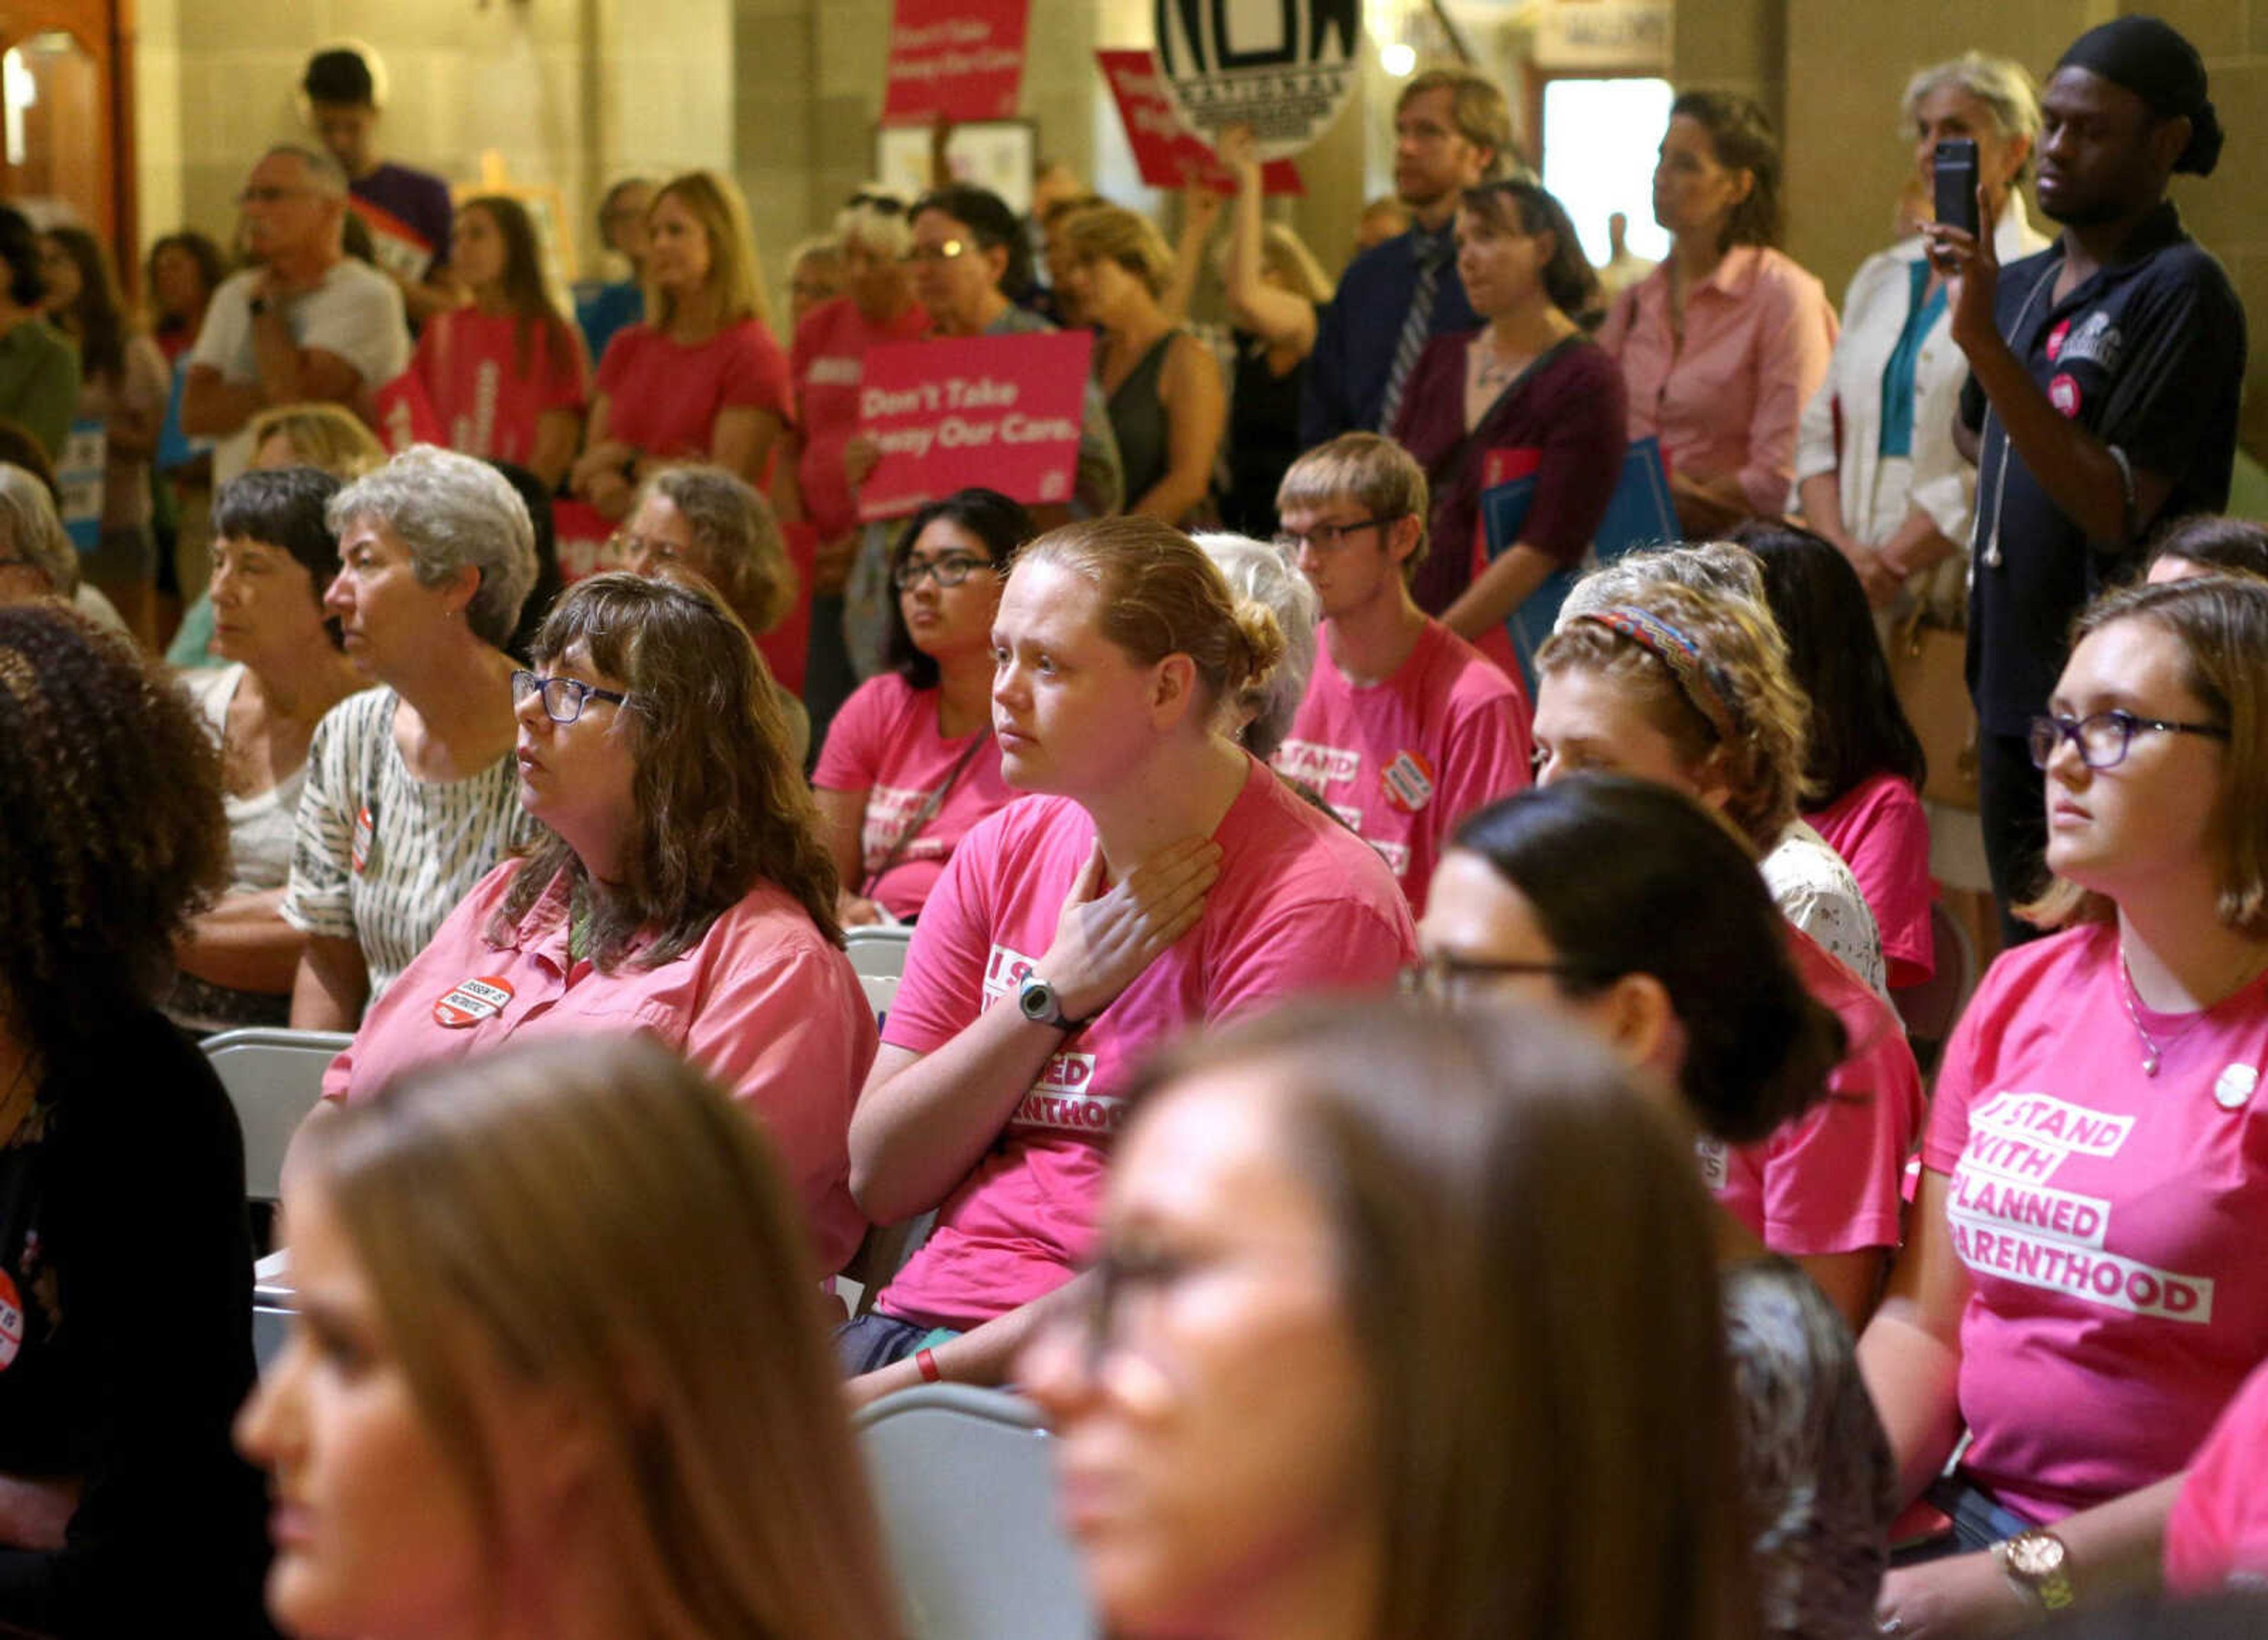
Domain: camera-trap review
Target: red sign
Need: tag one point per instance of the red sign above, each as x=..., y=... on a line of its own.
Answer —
x=999, y=411
x=1165, y=151
x=956, y=59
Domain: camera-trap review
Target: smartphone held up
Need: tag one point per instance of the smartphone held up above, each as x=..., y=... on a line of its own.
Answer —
x=1955, y=180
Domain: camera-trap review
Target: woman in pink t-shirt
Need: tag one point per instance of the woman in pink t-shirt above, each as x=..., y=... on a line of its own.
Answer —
x=1723, y=345
x=701, y=379
x=2083, y=1288
x=1864, y=768
x=677, y=889
x=506, y=376
x=910, y=763
x=1163, y=877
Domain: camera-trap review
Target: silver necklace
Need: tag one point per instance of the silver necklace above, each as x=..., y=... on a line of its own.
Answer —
x=2154, y=1051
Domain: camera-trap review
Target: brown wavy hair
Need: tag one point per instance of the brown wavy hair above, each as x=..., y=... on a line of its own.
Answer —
x=97, y=878
x=562, y=1217
x=1162, y=596
x=720, y=798
x=532, y=310
x=743, y=554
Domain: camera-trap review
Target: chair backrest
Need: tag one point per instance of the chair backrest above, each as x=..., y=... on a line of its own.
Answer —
x=1001, y=1570
x=879, y=951
x=880, y=1257
x=881, y=990
x=1932, y=1008
x=274, y=1078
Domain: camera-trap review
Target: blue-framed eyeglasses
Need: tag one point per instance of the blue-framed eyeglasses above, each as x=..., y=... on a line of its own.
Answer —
x=563, y=698
x=2102, y=738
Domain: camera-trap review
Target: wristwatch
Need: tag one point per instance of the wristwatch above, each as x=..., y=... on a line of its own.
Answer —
x=1042, y=1004
x=2038, y=1564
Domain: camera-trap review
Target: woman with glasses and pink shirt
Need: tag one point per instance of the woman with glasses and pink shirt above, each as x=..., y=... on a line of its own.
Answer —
x=677, y=888
x=2081, y=1288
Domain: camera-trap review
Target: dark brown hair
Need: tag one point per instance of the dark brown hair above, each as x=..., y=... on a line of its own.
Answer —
x=524, y=290
x=111, y=827
x=1741, y=137
x=720, y=799
x=99, y=312
x=1002, y=525
x=1517, y=204
x=1523, y=1257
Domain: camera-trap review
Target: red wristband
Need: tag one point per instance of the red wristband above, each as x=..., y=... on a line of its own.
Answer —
x=925, y=1363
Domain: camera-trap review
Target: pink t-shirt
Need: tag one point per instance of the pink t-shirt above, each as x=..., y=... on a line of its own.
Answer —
x=2112, y=1222
x=1404, y=760
x=1301, y=906
x=763, y=1005
x=1880, y=830
x=2217, y=1534
x=664, y=397
x=1759, y=333
x=829, y=361
x=1832, y=1182
x=468, y=364
x=885, y=743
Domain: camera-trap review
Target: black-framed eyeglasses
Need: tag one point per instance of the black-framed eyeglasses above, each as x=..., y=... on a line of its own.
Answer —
x=1443, y=977
x=563, y=698
x=1328, y=537
x=2104, y=738
x=949, y=570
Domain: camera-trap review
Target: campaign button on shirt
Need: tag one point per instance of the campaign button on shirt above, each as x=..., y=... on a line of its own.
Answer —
x=2232, y=1089
x=471, y=1001
x=12, y=1320
x=2054, y=340
x=2063, y=393
x=358, y=850
x=1408, y=782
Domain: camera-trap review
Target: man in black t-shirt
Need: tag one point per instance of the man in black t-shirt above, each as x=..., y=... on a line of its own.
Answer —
x=2102, y=395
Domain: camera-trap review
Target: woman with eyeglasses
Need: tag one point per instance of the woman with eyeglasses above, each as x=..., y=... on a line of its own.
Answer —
x=1634, y=909
x=1159, y=875
x=704, y=519
x=910, y=763
x=1529, y=392
x=409, y=797
x=701, y=379
x=2083, y=1288
x=1402, y=1325
x=677, y=887
x=1692, y=691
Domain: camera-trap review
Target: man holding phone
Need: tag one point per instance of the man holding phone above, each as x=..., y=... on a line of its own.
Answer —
x=2105, y=376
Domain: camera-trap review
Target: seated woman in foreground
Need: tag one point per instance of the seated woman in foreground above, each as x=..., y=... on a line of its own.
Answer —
x=513, y=1401
x=1163, y=878
x=1352, y=1368
x=677, y=888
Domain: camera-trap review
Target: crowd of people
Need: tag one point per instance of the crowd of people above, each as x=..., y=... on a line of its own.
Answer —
x=1410, y=1046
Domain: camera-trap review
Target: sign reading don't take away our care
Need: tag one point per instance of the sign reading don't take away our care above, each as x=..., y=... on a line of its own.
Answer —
x=1285, y=68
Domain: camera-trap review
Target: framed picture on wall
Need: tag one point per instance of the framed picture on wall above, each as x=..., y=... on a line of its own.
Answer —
x=995, y=154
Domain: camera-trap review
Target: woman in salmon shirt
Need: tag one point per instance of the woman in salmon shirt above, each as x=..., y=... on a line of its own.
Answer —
x=1724, y=343
x=701, y=379
x=678, y=888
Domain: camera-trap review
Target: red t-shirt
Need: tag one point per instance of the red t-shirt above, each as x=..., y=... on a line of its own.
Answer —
x=2111, y=1222
x=1301, y=906
x=830, y=352
x=1879, y=828
x=1832, y=1182
x=664, y=398
x=885, y=743
x=2217, y=1534
x=1404, y=759
x=488, y=407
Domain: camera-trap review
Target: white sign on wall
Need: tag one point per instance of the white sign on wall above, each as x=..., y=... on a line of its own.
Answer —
x=1285, y=68
x=1620, y=34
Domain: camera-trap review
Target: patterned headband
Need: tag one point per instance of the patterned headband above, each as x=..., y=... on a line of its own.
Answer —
x=1696, y=679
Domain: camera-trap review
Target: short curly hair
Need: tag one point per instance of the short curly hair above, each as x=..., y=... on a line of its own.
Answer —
x=450, y=511
x=743, y=553
x=100, y=879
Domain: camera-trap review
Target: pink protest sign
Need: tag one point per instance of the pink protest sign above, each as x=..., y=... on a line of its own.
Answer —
x=956, y=59
x=999, y=411
x=1165, y=152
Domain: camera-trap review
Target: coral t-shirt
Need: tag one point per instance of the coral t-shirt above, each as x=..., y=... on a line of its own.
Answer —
x=2217, y=1535
x=468, y=364
x=763, y=1005
x=1404, y=759
x=2111, y=1222
x=828, y=363
x=885, y=742
x=663, y=397
x=1879, y=828
x=1301, y=906
x=1832, y=1181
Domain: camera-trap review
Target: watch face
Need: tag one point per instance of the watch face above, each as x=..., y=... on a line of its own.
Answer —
x=1036, y=998
x=2035, y=1556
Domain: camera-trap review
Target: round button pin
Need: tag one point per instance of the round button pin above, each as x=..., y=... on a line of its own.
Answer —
x=2232, y=1089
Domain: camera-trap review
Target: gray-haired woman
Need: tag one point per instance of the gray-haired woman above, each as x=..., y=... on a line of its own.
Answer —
x=1260, y=719
x=412, y=792
x=1875, y=467
x=37, y=559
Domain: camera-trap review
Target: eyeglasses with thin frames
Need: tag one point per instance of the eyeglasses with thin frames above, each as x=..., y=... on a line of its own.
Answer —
x=563, y=698
x=1326, y=537
x=2103, y=739
x=950, y=570
x=1444, y=978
